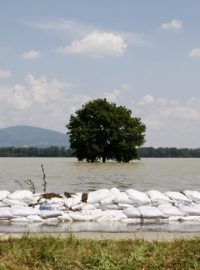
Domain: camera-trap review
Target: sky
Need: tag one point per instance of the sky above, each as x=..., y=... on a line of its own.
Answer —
x=145, y=55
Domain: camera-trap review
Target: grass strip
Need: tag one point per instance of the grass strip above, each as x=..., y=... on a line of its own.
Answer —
x=48, y=252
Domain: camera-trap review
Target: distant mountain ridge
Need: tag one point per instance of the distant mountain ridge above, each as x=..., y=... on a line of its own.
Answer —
x=27, y=136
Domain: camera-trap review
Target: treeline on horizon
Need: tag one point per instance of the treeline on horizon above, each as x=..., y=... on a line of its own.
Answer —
x=55, y=151
x=168, y=152
x=52, y=151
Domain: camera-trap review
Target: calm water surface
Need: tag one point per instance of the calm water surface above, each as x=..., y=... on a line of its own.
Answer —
x=66, y=174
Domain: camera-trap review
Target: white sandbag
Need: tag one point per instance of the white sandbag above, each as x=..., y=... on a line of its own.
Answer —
x=96, y=205
x=156, y=196
x=23, y=211
x=33, y=202
x=137, y=197
x=105, y=207
x=51, y=221
x=130, y=220
x=158, y=203
x=87, y=206
x=97, y=196
x=132, y=212
x=5, y=213
x=3, y=194
x=150, y=212
x=50, y=214
x=37, y=196
x=20, y=220
x=93, y=212
x=34, y=218
x=190, y=210
x=79, y=216
x=42, y=200
x=190, y=219
x=123, y=198
x=192, y=195
x=177, y=196
x=60, y=208
x=59, y=201
x=46, y=206
x=77, y=207
x=109, y=199
x=74, y=200
x=37, y=206
x=65, y=217
x=86, y=215
x=57, y=207
x=195, y=204
x=174, y=219
x=170, y=210
x=15, y=202
x=111, y=216
x=25, y=195
x=3, y=204
x=125, y=205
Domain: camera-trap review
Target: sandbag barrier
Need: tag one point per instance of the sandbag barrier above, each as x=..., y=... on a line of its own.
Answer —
x=104, y=205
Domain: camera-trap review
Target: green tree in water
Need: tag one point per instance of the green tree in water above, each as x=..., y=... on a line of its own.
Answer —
x=101, y=130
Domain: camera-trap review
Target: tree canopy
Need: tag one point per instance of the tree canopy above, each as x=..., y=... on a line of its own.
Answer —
x=101, y=130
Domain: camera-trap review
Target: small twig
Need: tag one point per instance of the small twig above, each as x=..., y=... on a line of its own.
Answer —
x=44, y=179
x=19, y=183
x=30, y=183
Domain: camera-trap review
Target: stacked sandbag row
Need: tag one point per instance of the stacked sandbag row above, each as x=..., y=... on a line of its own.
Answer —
x=103, y=205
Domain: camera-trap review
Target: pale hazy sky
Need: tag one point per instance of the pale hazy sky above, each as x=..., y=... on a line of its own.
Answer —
x=56, y=55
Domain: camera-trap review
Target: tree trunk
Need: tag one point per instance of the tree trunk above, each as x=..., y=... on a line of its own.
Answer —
x=104, y=159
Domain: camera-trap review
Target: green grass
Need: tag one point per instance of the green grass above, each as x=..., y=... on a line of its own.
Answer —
x=73, y=254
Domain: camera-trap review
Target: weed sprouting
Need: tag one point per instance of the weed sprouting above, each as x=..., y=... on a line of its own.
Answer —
x=31, y=185
x=44, y=179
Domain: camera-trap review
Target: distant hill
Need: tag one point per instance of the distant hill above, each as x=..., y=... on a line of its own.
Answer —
x=26, y=136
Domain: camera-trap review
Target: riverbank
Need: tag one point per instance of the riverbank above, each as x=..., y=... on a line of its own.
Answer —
x=146, y=236
x=68, y=252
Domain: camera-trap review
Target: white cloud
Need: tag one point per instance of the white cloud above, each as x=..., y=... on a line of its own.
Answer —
x=135, y=39
x=148, y=99
x=21, y=98
x=97, y=44
x=30, y=55
x=85, y=37
x=42, y=89
x=194, y=53
x=38, y=88
x=153, y=122
x=112, y=96
x=48, y=103
x=161, y=100
x=173, y=24
x=4, y=74
x=117, y=94
x=185, y=112
x=174, y=102
x=39, y=101
x=172, y=110
x=72, y=28
x=79, y=30
x=170, y=122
